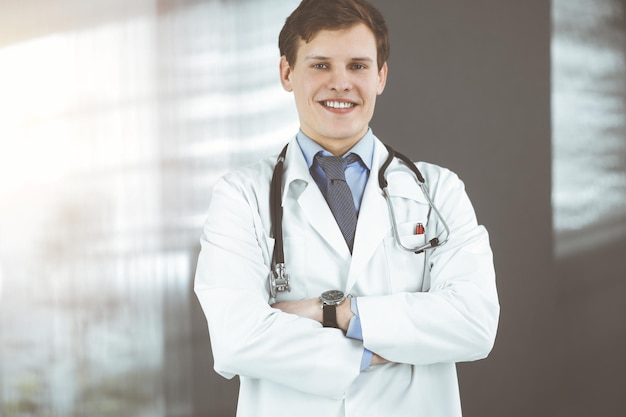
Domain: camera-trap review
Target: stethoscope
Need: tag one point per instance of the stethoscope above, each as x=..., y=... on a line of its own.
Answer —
x=278, y=277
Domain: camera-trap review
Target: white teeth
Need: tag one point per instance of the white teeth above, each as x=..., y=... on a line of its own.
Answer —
x=338, y=104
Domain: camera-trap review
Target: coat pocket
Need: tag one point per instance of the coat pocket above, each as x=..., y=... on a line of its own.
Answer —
x=406, y=269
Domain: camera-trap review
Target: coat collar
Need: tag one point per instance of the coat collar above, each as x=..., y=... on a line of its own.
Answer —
x=297, y=175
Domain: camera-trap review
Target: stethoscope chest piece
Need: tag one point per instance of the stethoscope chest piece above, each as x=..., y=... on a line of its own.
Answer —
x=279, y=280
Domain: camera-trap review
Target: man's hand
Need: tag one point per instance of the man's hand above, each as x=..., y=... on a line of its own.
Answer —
x=378, y=360
x=312, y=309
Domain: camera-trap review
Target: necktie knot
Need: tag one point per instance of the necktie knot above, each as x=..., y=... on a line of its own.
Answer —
x=334, y=167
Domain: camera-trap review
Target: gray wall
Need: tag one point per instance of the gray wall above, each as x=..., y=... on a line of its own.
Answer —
x=469, y=89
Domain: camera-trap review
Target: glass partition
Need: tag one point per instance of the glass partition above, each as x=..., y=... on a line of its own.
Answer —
x=115, y=124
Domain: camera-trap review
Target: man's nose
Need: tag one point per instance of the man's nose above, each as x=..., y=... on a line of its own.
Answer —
x=339, y=80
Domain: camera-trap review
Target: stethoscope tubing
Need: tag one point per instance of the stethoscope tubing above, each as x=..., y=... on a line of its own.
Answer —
x=383, y=183
x=279, y=279
x=276, y=208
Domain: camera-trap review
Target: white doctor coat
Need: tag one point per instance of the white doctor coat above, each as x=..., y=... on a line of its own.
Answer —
x=421, y=312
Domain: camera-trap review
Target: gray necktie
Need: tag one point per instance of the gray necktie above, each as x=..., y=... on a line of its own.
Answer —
x=338, y=193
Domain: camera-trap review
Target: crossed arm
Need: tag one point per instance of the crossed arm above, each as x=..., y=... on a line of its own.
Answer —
x=454, y=321
x=312, y=309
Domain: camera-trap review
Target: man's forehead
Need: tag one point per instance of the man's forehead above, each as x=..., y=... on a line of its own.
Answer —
x=359, y=29
x=326, y=44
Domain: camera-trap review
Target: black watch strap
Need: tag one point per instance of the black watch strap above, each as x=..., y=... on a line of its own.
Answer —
x=330, y=316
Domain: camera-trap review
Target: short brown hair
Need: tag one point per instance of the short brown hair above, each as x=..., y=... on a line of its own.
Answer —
x=312, y=16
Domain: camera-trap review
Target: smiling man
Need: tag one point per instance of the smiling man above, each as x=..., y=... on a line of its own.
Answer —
x=335, y=80
x=387, y=279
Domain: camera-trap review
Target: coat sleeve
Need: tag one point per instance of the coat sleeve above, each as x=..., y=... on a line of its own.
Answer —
x=248, y=337
x=456, y=319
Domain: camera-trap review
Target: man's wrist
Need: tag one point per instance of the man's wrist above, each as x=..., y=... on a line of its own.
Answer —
x=344, y=314
x=331, y=301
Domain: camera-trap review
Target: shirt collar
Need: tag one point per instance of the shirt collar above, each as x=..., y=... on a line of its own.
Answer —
x=364, y=148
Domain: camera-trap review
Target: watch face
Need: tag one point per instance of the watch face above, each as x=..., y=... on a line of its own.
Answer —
x=332, y=296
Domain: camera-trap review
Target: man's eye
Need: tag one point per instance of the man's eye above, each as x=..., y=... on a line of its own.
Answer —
x=358, y=66
x=320, y=66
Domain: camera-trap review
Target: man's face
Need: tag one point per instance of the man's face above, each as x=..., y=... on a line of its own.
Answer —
x=335, y=81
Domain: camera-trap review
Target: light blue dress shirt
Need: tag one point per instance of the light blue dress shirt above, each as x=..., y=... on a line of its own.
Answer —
x=357, y=174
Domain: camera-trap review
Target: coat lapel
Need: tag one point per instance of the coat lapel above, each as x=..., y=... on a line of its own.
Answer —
x=300, y=186
x=373, y=224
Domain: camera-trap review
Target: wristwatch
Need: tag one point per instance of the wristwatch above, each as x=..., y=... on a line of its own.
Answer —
x=330, y=300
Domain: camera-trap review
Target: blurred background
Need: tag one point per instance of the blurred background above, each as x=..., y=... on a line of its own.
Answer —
x=117, y=117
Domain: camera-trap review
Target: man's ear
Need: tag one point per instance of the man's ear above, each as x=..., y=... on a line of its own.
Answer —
x=382, y=79
x=285, y=74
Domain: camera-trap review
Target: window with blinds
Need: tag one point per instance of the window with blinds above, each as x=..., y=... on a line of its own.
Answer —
x=116, y=121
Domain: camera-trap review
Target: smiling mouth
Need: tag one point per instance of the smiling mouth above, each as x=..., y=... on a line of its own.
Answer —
x=338, y=104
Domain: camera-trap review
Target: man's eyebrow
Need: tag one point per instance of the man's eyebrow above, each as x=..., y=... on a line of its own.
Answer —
x=316, y=58
x=363, y=59
x=325, y=58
